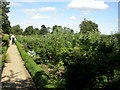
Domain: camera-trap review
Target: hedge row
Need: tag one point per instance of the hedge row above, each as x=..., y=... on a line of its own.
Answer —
x=3, y=48
x=39, y=77
x=5, y=40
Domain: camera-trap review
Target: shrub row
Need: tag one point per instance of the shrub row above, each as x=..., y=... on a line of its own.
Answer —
x=5, y=40
x=91, y=60
x=4, y=47
x=39, y=77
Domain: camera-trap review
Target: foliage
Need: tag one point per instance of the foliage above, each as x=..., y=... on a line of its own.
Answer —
x=57, y=28
x=5, y=37
x=4, y=22
x=35, y=31
x=5, y=40
x=88, y=26
x=5, y=44
x=43, y=30
x=39, y=76
x=91, y=63
x=16, y=30
x=47, y=47
x=90, y=60
x=29, y=30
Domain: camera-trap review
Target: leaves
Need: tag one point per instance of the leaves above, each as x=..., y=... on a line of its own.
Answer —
x=4, y=22
x=89, y=59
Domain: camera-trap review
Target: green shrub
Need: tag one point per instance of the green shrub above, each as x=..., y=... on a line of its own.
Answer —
x=89, y=59
x=39, y=76
x=4, y=47
x=5, y=40
x=91, y=63
x=6, y=37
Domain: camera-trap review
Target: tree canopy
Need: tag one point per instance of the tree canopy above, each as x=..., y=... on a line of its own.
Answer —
x=88, y=26
x=17, y=30
x=57, y=28
x=36, y=31
x=28, y=30
x=4, y=22
x=43, y=30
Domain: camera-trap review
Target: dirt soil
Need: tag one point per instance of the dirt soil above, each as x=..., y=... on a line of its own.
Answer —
x=14, y=75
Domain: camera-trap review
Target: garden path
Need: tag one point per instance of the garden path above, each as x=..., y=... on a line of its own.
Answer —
x=14, y=74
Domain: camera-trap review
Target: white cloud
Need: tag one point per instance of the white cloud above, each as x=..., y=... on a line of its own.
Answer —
x=39, y=16
x=27, y=0
x=14, y=4
x=88, y=5
x=43, y=9
x=39, y=0
x=52, y=0
x=111, y=0
x=35, y=12
x=73, y=18
x=47, y=9
x=35, y=15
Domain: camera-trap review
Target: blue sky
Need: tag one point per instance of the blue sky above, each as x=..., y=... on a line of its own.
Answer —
x=67, y=14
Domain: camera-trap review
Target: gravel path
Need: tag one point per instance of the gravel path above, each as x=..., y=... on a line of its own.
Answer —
x=14, y=75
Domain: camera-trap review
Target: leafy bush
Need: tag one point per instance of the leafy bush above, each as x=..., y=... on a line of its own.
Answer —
x=6, y=39
x=5, y=43
x=39, y=76
x=4, y=47
x=91, y=63
x=90, y=60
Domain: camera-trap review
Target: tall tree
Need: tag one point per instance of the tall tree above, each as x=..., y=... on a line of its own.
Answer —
x=36, y=31
x=88, y=26
x=4, y=22
x=29, y=30
x=17, y=30
x=68, y=30
x=43, y=30
x=57, y=29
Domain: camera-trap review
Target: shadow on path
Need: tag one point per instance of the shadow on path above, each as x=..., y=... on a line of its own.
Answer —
x=17, y=84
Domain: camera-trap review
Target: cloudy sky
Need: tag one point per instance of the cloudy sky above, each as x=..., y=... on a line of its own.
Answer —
x=67, y=13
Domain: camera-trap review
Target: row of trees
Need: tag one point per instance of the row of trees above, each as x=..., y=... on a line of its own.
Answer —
x=90, y=61
x=35, y=31
x=30, y=30
x=85, y=27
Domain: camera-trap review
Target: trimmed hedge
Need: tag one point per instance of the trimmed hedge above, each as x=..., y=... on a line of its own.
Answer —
x=39, y=76
x=6, y=40
x=6, y=37
x=4, y=47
